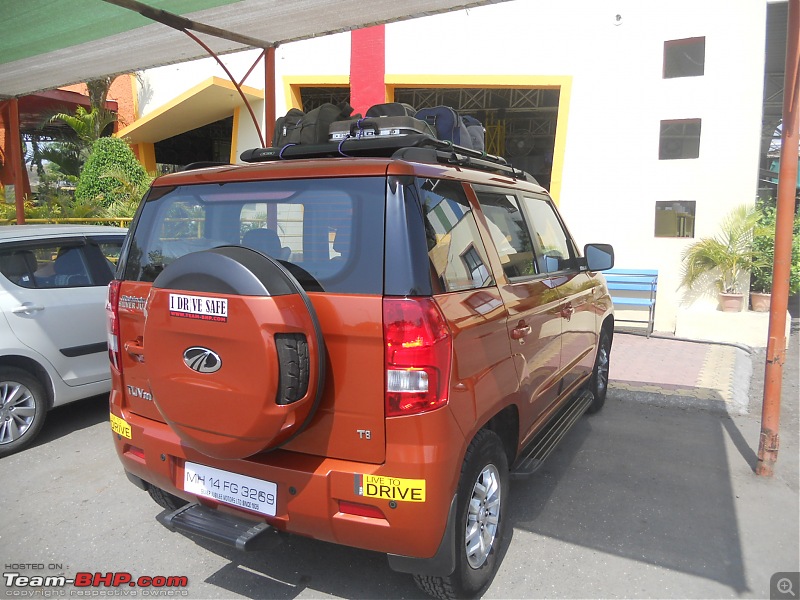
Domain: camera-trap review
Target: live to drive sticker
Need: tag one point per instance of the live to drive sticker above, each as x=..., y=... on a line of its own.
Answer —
x=390, y=488
x=198, y=307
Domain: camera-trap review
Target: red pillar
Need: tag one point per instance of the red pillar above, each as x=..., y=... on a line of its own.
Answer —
x=769, y=441
x=269, y=95
x=15, y=158
x=367, y=67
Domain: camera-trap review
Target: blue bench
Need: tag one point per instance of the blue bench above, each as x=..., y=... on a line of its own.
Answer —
x=634, y=288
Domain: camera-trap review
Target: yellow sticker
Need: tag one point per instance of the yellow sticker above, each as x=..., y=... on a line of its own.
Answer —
x=390, y=488
x=120, y=427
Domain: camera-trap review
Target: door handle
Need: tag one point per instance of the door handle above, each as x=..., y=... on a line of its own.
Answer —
x=135, y=349
x=27, y=309
x=520, y=331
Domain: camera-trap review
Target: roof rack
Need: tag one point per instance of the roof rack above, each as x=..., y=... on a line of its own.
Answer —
x=202, y=164
x=414, y=147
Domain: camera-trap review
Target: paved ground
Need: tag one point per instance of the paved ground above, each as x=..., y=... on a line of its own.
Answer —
x=653, y=497
x=670, y=372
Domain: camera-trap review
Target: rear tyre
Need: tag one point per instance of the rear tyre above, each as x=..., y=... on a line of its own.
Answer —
x=598, y=384
x=23, y=407
x=165, y=499
x=480, y=523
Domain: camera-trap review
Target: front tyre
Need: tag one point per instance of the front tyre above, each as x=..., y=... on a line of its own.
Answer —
x=598, y=384
x=480, y=523
x=23, y=407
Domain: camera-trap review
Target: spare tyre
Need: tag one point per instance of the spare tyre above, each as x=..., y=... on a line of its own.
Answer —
x=234, y=351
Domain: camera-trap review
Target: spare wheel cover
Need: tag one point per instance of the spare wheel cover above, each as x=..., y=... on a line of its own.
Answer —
x=219, y=324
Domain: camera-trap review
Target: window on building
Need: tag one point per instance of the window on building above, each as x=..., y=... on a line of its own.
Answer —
x=675, y=218
x=679, y=139
x=684, y=58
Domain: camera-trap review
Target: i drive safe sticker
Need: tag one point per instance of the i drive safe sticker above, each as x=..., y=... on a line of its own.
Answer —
x=390, y=488
x=198, y=307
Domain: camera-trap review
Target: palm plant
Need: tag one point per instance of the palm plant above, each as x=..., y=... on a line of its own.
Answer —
x=87, y=124
x=727, y=256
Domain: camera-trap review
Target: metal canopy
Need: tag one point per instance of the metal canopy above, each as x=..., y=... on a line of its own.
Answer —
x=51, y=43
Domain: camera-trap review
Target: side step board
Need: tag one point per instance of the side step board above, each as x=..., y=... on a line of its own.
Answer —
x=534, y=455
x=211, y=524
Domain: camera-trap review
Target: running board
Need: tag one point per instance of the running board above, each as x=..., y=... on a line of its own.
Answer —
x=221, y=527
x=545, y=441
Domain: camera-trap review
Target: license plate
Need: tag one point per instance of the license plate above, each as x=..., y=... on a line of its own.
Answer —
x=230, y=488
x=120, y=427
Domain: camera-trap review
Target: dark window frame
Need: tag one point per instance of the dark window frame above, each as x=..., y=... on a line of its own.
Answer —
x=678, y=62
x=684, y=225
x=677, y=139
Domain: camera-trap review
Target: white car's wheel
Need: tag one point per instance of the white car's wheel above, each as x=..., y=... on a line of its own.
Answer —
x=23, y=407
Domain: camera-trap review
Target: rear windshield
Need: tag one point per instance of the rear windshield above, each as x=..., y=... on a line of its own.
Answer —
x=327, y=232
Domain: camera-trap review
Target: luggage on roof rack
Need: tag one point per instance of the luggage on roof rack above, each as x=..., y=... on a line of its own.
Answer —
x=378, y=126
x=412, y=147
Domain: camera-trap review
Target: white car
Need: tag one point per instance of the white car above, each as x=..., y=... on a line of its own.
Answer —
x=53, y=344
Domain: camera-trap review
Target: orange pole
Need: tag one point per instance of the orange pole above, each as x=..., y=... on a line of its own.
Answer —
x=787, y=186
x=15, y=156
x=269, y=94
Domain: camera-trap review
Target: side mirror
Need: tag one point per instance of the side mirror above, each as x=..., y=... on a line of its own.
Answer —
x=599, y=257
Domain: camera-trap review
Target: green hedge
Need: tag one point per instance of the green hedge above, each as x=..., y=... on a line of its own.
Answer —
x=110, y=160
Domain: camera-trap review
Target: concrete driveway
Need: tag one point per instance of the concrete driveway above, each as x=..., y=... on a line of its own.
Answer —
x=639, y=501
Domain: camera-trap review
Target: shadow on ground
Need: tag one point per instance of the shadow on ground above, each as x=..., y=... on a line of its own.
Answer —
x=644, y=483
x=63, y=420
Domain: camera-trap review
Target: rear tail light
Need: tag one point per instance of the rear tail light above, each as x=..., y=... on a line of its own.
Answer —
x=418, y=349
x=112, y=319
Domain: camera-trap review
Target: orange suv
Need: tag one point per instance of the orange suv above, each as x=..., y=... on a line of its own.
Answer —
x=359, y=349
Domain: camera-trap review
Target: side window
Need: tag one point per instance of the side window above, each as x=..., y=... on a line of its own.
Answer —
x=19, y=266
x=509, y=232
x=102, y=256
x=54, y=266
x=456, y=251
x=551, y=243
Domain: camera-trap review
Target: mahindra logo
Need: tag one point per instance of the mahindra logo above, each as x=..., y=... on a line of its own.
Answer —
x=202, y=359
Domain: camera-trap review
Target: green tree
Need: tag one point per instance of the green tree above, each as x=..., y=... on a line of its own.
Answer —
x=764, y=248
x=98, y=92
x=110, y=160
x=85, y=127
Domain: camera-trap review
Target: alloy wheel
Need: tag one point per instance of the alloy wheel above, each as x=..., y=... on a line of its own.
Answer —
x=483, y=516
x=17, y=411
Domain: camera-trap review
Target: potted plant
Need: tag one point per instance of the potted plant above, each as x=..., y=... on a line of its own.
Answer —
x=764, y=256
x=725, y=257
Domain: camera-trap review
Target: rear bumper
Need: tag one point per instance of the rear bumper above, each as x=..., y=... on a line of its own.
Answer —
x=311, y=488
